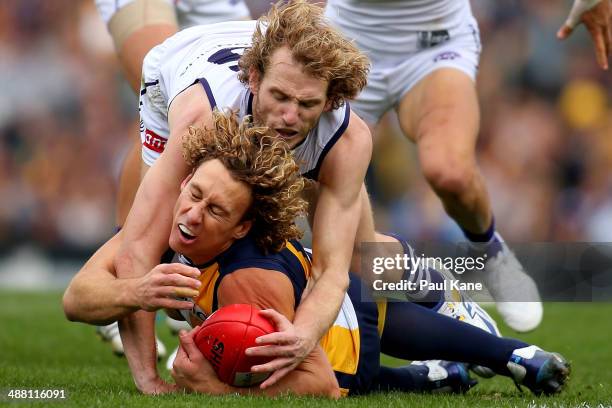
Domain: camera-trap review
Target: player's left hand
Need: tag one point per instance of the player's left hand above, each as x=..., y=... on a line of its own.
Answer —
x=191, y=371
x=598, y=21
x=290, y=345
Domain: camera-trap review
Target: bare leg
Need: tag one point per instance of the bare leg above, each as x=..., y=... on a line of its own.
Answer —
x=441, y=115
x=137, y=45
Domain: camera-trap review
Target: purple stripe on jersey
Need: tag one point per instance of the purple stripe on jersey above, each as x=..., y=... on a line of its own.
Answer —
x=314, y=173
x=250, y=104
x=211, y=98
x=146, y=85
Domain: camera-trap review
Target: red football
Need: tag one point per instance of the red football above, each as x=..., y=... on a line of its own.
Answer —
x=224, y=337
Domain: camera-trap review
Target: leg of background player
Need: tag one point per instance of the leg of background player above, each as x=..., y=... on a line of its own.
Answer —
x=441, y=115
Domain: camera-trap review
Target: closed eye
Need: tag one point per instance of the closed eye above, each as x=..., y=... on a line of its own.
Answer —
x=280, y=96
x=217, y=211
x=309, y=105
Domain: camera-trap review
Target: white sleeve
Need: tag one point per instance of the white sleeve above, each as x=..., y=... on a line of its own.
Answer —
x=579, y=7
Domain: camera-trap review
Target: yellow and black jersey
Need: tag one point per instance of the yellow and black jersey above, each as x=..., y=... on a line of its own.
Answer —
x=352, y=343
x=244, y=253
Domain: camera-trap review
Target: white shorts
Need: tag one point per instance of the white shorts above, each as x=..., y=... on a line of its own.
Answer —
x=392, y=76
x=154, y=128
x=188, y=12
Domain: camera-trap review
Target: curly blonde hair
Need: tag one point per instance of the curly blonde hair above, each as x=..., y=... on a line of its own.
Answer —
x=314, y=43
x=264, y=163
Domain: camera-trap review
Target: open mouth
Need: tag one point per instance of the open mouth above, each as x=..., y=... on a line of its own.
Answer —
x=186, y=233
x=286, y=133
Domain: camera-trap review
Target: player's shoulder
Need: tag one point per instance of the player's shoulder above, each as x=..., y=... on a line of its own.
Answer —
x=344, y=127
x=225, y=29
x=352, y=149
x=245, y=253
x=275, y=279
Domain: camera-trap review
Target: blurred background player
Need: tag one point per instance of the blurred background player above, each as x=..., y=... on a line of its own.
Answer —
x=136, y=26
x=425, y=58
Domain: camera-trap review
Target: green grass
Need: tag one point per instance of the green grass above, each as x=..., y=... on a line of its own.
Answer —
x=41, y=350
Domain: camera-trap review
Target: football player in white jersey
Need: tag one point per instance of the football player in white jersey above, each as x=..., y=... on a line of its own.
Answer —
x=425, y=56
x=295, y=73
x=136, y=26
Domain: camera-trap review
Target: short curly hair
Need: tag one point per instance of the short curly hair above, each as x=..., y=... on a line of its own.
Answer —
x=324, y=52
x=262, y=161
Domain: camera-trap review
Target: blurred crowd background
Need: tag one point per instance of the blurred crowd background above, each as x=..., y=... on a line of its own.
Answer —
x=67, y=116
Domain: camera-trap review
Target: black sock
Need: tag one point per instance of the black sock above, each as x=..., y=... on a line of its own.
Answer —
x=415, y=333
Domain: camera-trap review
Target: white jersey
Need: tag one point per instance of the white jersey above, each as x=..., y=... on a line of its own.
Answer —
x=208, y=56
x=388, y=25
x=188, y=12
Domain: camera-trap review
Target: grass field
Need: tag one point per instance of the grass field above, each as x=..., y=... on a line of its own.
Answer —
x=41, y=350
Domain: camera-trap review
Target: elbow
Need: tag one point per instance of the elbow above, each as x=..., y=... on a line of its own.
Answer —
x=332, y=391
x=342, y=282
x=326, y=388
x=77, y=311
x=332, y=388
x=69, y=306
x=335, y=278
x=321, y=384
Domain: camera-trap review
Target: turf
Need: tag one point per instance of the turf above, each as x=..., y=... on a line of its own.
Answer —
x=41, y=350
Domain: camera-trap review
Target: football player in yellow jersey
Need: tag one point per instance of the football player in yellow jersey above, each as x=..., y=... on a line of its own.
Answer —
x=242, y=197
x=234, y=228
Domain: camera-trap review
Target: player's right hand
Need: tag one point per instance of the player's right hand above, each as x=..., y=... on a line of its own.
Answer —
x=162, y=287
x=289, y=346
x=597, y=18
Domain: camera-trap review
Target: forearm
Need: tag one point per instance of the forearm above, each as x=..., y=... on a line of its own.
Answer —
x=138, y=338
x=147, y=226
x=136, y=258
x=298, y=382
x=95, y=295
x=100, y=300
x=307, y=386
x=334, y=227
x=318, y=310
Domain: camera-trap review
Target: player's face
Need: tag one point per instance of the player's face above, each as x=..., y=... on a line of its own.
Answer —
x=287, y=99
x=208, y=213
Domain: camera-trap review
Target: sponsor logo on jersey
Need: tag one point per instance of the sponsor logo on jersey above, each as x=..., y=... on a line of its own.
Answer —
x=447, y=55
x=154, y=142
x=429, y=39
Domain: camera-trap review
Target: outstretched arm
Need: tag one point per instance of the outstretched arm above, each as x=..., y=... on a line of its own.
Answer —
x=264, y=289
x=96, y=296
x=596, y=15
x=335, y=224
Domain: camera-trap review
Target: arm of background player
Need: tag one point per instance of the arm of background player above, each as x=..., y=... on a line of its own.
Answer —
x=264, y=289
x=596, y=15
x=96, y=296
x=147, y=230
x=334, y=228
